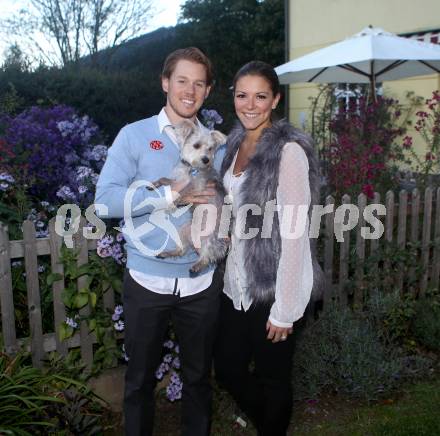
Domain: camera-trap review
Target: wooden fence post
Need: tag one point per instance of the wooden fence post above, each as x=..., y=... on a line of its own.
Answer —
x=426, y=238
x=59, y=309
x=389, y=230
x=329, y=246
x=436, y=257
x=374, y=243
x=415, y=211
x=401, y=233
x=344, y=259
x=6, y=295
x=86, y=337
x=358, y=296
x=33, y=293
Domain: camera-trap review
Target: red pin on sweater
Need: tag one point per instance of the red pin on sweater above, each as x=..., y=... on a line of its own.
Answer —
x=156, y=145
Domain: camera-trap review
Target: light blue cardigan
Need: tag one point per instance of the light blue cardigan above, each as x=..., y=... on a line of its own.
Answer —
x=132, y=158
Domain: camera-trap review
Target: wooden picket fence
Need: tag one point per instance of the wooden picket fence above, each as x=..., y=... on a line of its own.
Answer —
x=29, y=249
x=409, y=218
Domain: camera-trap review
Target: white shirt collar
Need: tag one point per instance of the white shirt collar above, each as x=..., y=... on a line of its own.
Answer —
x=164, y=121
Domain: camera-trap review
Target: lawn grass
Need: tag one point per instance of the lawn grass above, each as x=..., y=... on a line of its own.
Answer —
x=416, y=412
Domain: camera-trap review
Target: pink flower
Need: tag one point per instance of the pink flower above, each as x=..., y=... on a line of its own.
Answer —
x=377, y=149
x=407, y=142
x=368, y=190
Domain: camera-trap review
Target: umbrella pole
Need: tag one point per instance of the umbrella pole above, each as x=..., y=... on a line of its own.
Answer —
x=373, y=82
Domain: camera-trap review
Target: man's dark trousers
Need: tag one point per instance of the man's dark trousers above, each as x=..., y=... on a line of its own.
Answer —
x=194, y=318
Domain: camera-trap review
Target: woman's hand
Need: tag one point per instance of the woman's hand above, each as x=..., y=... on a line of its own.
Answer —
x=277, y=334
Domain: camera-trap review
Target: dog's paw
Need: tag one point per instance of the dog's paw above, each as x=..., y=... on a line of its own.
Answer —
x=197, y=267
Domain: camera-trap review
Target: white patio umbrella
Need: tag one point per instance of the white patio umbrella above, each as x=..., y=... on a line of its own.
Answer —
x=372, y=55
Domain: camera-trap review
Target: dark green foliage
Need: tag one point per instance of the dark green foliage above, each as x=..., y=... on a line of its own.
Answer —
x=391, y=315
x=344, y=352
x=111, y=99
x=426, y=324
x=73, y=417
x=35, y=402
x=126, y=87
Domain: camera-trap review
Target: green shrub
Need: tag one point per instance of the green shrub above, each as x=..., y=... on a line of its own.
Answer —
x=344, y=352
x=391, y=315
x=33, y=401
x=426, y=324
x=23, y=400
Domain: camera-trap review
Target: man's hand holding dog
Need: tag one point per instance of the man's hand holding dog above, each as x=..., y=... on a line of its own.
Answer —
x=184, y=194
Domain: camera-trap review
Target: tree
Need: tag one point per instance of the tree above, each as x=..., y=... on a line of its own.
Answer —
x=15, y=59
x=63, y=31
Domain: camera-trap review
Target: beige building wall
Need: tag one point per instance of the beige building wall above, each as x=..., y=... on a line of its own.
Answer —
x=317, y=23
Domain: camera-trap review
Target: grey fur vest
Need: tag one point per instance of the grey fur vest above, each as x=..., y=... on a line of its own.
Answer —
x=262, y=254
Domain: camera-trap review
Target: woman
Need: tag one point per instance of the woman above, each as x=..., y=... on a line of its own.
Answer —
x=268, y=278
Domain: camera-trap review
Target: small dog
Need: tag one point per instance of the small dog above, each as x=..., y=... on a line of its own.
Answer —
x=196, y=168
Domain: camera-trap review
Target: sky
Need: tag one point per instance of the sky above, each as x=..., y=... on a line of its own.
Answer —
x=168, y=12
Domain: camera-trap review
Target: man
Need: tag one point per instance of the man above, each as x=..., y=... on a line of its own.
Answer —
x=157, y=290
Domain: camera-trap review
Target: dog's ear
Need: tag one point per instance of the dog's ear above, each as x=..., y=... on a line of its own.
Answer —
x=184, y=130
x=218, y=137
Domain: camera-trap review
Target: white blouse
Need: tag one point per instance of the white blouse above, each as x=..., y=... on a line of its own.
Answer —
x=295, y=274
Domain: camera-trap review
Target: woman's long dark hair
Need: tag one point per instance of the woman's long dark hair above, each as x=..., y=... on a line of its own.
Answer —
x=262, y=69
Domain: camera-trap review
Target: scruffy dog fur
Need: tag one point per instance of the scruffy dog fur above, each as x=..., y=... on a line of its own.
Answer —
x=196, y=167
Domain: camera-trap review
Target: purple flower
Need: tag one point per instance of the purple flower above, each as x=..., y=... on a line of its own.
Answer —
x=119, y=309
x=42, y=233
x=83, y=172
x=49, y=142
x=168, y=344
x=168, y=358
x=164, y=367
x=106, y=241
x=210, y=118
x=119, y=325
x=5, y=177
x=117, y=312
x=71, y=322
x=82, y=189
x=99, y=152
x=175, y=378
x=174, y=389
x=65, y=193
x=176, y=363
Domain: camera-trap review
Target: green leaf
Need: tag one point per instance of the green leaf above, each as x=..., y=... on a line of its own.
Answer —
x=53, y=277
x=92, y=299
x=92, y=324
x=66, y=331
x=80, y=300
x=68, y=298
x=116, y=284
